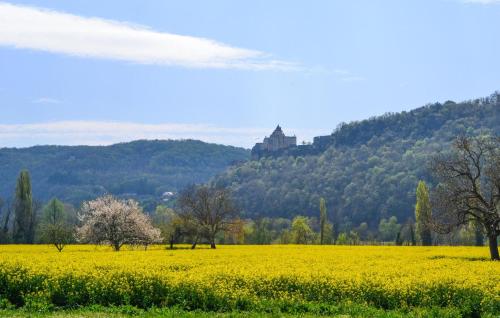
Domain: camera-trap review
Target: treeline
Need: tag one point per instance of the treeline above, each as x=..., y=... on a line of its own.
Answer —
x=204, y=215
x=24, y=220
x=369, y=172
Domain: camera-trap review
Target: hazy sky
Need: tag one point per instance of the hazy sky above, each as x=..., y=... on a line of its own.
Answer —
x=98, y=72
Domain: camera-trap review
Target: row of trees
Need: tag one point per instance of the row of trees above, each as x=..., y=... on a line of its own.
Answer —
x=19, y=218
x=466, y=198
x=467, y=195
x=108, y=220
x=203, y=214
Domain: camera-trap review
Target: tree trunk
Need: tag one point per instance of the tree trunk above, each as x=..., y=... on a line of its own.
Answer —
x=212, y=244
x=493, y=247
x=194, y=245
x=171, y=244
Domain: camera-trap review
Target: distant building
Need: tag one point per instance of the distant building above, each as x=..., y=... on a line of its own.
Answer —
x=166, y=196
x=276, y=142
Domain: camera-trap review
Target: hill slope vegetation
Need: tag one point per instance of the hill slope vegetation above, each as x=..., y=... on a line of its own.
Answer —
x=140, y=169
x=369, y=169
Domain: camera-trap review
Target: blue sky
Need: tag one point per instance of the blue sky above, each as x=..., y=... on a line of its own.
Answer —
x=99, y=72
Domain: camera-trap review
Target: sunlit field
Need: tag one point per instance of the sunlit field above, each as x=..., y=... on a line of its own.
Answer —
x=249, y=277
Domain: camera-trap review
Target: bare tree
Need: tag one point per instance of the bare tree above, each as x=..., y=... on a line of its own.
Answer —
x=469, y=188
x=211, y=210
x=116, y=222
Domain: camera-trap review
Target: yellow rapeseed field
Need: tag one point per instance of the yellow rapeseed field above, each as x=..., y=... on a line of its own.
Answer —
x=240, y=277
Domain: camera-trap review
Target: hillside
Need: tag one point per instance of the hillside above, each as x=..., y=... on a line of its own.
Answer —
x=365, y=170
x=140, y=169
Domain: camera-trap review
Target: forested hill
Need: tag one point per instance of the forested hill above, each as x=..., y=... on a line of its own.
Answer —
x=140, y=169
x=367, y=170
x=419, y=123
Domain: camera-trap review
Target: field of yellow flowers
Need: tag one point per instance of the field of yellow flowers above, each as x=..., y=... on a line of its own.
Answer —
x=245, y=277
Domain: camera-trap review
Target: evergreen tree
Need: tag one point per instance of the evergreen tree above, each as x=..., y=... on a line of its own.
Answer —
x=399, y=239
x=5, y=208
x=322, y=220
x=23, y=210
x=413, y=240
x=423, y=214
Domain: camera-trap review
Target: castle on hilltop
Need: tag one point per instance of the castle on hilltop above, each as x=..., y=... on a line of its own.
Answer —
x=277, y=142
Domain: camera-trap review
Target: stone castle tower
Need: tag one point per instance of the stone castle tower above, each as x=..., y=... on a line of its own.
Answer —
x=276, y=142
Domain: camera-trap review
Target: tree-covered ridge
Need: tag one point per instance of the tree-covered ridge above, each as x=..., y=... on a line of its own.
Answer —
x=141, y=169
x=369, y=170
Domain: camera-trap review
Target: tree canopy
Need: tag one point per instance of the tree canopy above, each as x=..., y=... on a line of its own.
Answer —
x=142, y=170
x=369, y=170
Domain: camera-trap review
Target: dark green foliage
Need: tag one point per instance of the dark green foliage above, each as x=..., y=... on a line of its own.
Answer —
x=478, y=234
x=413, y=240
x=370, y=170
x=140, y=169
x=24, y=222
x=301, y=232
x=268, y=309
x=399, y=240
x=5, y=213
x=37, y=293
x=269, y=230
x=423, y=214
x=323, y=220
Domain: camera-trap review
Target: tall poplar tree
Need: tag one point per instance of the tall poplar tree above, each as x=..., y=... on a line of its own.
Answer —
x=423, y=214
x=322, y=220
x=23, y=210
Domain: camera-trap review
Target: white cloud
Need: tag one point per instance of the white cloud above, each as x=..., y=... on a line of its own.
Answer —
x=105, y=133
x=347, y=76
x=51, y=31
x=46, y=100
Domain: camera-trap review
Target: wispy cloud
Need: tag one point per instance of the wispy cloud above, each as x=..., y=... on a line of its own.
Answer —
x=350, y=79
x=346, y=76
x=46, y=100
x=105, y=133
x=482, y=1
x=341, y=72
x=343, y=75
x=57, y=32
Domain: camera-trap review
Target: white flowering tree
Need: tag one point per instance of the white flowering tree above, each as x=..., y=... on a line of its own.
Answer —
x=107, y=220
